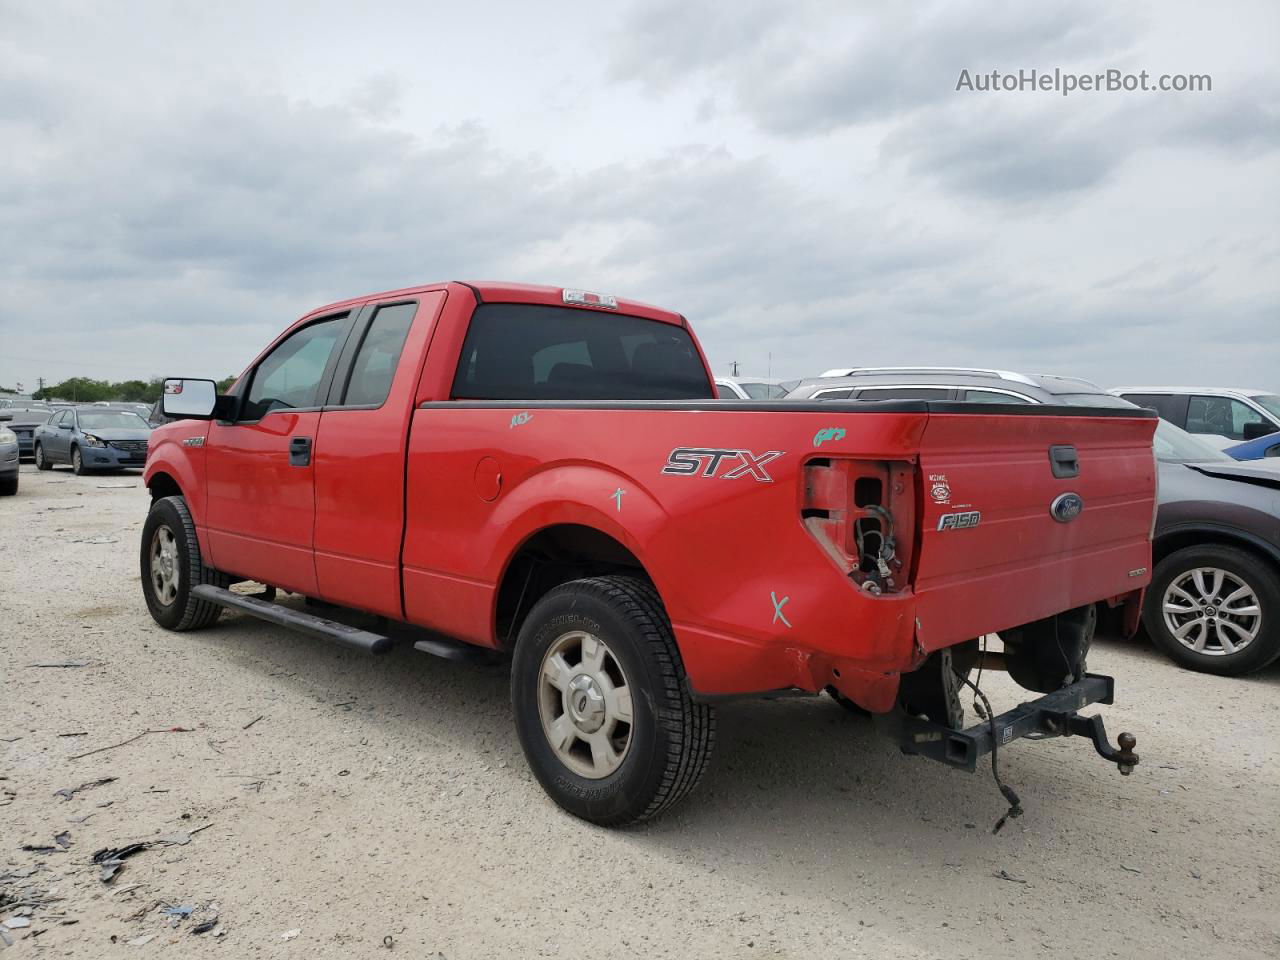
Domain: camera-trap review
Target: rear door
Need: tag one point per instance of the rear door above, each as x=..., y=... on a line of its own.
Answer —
x=1000, y=537
x=259, y=468
x=360, y=450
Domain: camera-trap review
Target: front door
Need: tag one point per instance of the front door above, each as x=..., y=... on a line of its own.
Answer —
x=260, y=511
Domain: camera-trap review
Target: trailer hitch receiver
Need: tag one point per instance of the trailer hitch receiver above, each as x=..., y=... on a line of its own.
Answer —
x=1053, y=715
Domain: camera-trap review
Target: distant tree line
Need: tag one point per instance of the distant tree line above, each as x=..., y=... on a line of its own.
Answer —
x=86, y=390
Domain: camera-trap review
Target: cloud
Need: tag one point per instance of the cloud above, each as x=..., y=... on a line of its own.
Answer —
x=813, y=67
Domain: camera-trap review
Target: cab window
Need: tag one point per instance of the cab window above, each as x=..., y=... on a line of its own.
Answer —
x=289, y=376
x=379, y=355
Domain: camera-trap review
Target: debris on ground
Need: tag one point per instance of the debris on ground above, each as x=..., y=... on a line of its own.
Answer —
x=289, y=934
x=66, y=793
x=111, y=859
x=251, y=723
x=97, y=540
x=17, y=923
x=63, y=839
x=66, y=663
x=143, y=940
x=1002, y=875
x=39, y=848
x=183, y=911
x=123, y=743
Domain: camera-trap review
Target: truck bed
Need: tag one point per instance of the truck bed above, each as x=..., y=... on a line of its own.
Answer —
x=753, y=555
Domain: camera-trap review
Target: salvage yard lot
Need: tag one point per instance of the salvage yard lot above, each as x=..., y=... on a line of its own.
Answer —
x=354, y=799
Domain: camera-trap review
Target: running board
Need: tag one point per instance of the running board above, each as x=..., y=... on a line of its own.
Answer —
x=331, y=630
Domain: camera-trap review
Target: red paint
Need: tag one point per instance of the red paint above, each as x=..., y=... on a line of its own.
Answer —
x=716, y=548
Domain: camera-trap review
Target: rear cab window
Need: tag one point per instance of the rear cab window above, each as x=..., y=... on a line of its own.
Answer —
x=516, y=351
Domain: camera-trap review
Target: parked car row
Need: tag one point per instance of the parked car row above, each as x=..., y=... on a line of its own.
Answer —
x=88, y=438
x=1214, y=600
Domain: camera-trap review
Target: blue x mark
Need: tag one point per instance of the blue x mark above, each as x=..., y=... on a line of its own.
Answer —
x=777, y=608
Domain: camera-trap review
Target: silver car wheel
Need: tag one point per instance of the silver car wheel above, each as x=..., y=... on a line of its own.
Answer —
x=584, y=702
x=1212, y=611
x=165, y=572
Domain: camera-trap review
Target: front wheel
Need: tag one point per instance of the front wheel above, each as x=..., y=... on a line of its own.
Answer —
x=602, y=708
x=9, y=486
x=1215, y=609
x=42, y=462
x=171, y=566
x=77, y=461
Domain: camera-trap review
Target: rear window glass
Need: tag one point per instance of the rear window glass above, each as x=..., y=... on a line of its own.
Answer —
x=519, y=351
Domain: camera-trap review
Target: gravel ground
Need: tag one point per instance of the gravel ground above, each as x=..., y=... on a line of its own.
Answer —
x=352, y=799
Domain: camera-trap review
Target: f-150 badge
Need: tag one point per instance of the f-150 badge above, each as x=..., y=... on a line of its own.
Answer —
x=707, y=462
x=959, y=521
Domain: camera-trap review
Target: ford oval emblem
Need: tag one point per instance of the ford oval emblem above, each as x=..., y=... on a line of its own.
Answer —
x=1066, y=507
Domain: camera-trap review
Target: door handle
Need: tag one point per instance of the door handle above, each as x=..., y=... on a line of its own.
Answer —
x=1064, y=461
x=299, y=451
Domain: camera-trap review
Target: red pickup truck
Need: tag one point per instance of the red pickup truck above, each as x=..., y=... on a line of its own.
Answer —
x=547, y=473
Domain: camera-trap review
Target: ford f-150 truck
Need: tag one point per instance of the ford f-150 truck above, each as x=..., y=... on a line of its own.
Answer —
x=546, y=473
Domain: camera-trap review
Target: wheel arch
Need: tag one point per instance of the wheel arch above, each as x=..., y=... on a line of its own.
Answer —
x=550, y=556
x=163, y=484
x=1199, y=535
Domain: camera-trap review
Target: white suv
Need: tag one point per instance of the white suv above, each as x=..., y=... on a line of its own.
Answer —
x=1222, y=415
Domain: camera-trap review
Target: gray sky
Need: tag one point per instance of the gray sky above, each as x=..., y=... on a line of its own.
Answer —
x=179, y=181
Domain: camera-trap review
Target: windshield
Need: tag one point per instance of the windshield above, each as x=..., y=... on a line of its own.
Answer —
x=762, y=391
x=1175, y=445
x=112, y=420
x=1268, y=402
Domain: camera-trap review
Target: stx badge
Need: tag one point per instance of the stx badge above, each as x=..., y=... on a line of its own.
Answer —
x=959, y=521
x=706, y=462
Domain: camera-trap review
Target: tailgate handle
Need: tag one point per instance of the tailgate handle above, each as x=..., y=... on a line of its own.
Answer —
x=299, y=451
x=1064, y=461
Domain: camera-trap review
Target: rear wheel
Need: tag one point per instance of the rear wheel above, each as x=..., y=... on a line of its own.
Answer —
x=171, y=566
x=602, y=708
x=1216, y=609
x=42, y=462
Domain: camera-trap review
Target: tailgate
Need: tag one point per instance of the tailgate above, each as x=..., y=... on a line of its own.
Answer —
x=1028, y=514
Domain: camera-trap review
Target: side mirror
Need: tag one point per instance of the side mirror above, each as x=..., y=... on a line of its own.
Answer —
x=64, y=426
x=1253, y=430
x=189, y=399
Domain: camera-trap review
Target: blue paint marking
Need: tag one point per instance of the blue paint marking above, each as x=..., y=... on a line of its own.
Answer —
x=523, y=417
x=777, y=608
x=830, y=433
x=617, y=495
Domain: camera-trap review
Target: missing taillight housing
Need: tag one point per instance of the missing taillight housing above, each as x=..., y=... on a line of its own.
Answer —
x=862, y=512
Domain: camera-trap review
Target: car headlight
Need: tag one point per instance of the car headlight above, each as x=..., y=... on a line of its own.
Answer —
x=91, y=441
x=7, y=435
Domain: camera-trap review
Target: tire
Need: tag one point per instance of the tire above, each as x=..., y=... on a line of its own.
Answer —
x=42, y=462
x=178, y=610
x=1175, y=585
x=9, y=486
x=77, y=461
x=669, y=738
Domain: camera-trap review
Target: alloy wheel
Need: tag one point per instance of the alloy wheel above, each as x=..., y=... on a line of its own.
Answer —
x=584, y=702
x=165, y=573
x=1212, y=611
